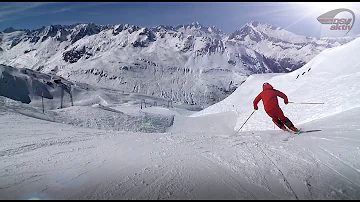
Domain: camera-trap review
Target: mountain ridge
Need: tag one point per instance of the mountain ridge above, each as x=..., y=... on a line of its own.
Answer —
x=190, y=63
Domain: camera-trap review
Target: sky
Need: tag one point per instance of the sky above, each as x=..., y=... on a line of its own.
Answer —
x=81, y=151
x=299, y=18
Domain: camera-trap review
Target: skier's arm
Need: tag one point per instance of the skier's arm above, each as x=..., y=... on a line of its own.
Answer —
x=256, y=101
x=283, y=96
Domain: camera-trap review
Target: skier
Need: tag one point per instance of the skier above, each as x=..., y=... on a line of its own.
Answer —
x=271, y=106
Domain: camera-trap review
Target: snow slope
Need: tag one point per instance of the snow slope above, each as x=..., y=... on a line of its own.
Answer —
x=47, y=160
x=90, y=105
x=331, y=77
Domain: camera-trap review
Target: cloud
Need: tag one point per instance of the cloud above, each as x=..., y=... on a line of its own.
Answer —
x=11, y=11
x=7, y=9
x=62, y=10
x=18, y=10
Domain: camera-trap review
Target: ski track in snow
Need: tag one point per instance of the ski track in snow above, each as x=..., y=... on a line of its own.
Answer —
x=199, y=165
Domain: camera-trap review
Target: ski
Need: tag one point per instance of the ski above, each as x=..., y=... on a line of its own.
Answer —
x=296, y=133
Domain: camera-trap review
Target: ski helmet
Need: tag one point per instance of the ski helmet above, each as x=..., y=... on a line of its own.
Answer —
x=267, y=86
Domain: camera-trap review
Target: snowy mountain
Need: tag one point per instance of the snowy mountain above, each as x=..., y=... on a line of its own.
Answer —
x=283, y=51
x=187, y=63
x=84, y=152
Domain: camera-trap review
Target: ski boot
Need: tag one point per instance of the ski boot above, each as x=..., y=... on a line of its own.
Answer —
x=294, y=129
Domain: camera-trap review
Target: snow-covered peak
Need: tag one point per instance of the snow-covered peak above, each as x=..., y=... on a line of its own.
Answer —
x=121, y=27
x=196, y=24
x=10, y=29
x=259, y=31
x=197, y=29
x=283, y=46
x=213, y=29
x=190, y=26
x=162, y=28
x=261, y=26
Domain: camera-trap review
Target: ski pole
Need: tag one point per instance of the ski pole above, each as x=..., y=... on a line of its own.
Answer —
x=42, y=100
x=247, y=120
x=307, y=102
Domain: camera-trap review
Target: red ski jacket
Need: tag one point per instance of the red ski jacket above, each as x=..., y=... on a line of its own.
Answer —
x=269, y=98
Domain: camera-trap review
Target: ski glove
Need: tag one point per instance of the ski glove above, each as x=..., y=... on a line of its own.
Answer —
x=255, y=107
